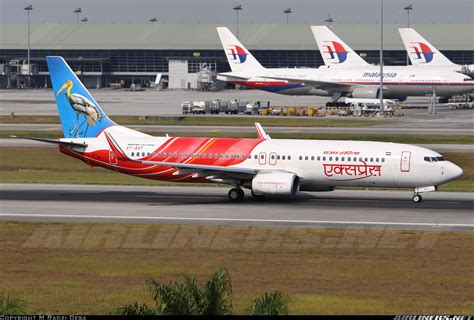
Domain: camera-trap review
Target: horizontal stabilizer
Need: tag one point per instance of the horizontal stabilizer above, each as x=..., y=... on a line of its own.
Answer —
x=55, y=141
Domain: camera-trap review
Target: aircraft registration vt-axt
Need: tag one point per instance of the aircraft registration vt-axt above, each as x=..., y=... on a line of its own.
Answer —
x=268, y=167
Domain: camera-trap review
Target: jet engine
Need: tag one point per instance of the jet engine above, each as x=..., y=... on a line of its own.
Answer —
x=365, y=93
x=275, y=183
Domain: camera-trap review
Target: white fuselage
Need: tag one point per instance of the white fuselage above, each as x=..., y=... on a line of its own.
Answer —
x=319, y=164
x=399, y=81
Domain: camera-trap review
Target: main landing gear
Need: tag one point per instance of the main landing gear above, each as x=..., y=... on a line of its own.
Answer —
x=236, y=194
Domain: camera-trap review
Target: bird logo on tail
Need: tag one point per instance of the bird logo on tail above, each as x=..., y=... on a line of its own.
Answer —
x=82, y=106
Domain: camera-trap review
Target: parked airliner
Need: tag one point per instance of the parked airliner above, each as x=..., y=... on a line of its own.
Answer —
x=424, y=54
x=361, y=80
x=268, y=167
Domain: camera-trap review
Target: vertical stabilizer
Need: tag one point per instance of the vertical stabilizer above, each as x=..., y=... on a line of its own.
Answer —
x=420, y=51
x=81, y=116
x=334, y=51
x=239, y=58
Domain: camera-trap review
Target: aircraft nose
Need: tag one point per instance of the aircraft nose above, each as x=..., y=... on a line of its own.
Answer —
x=455, y=171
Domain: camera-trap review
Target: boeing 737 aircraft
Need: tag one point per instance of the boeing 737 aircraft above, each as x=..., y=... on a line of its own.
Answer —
x=361, y=80
x=424, y=54
x=268, y=167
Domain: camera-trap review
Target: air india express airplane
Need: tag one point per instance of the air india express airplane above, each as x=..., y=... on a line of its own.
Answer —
x=267, y=167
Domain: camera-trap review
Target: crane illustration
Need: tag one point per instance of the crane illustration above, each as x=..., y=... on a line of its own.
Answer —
x=81, y=105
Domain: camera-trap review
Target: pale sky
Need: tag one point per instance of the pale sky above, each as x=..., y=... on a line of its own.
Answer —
x=254, y=11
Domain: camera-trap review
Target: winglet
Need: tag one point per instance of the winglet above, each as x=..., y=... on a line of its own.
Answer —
x=261, y=133
x=115, y=147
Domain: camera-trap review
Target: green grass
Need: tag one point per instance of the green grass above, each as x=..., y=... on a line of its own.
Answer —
x=320, y=279
x=48, y=165
x=409, y=139
x=213, y=121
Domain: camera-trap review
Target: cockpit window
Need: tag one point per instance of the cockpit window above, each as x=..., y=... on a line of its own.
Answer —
x=434, y=159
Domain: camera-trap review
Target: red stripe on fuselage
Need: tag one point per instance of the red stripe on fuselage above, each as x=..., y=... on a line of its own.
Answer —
x=176, y=146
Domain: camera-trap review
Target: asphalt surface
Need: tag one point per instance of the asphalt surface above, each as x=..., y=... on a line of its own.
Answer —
x=210, y=206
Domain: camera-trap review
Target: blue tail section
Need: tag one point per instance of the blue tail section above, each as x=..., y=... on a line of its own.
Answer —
x=81, y=116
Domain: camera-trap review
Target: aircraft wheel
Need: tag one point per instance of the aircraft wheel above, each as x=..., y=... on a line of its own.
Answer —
x=417, y=198
x=236, y=194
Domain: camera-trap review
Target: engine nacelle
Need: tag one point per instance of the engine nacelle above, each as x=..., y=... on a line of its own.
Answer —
x=275, y=183
x=365, y=93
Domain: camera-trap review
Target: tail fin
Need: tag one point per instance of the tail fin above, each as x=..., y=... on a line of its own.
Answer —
x=81, y=116
x=335, y=51
x=239, y=58
x=420, y=51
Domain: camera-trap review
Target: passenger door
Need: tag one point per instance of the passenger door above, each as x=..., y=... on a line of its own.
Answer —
x=405, y=161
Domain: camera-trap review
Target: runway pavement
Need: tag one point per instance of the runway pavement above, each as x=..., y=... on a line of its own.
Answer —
x=210, y=206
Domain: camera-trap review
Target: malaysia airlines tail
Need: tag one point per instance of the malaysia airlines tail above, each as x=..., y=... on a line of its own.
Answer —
x=239, y=58
x=334, y=51
x=420, y=51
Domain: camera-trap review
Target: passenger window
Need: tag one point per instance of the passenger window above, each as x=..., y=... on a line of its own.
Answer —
x=330, y=158
x=283, y=157
x=312, y=158
x=355, y=159
x=301, y=158
x=272, y=156
x=175, y=155
x=278, y=157
x=222, y=156
x=319, y=158
x=306, y=158
x=148, y=154
x=169, y=155
x=255, y=157
x=143, y=154
x=337, y=158
x=376, y=159
x=342, y=159
x=366, y=159
x=216, y=156
x=210, y=156
x=244, y=156
x=324, y=158
x=360, y=159
x=133, y=154
x=289, y=157
x=237, y=156
x=383, y=159
x=198, y=155
x=227, y=156
x=371, y=159
x=159, y=154
x=204, y=155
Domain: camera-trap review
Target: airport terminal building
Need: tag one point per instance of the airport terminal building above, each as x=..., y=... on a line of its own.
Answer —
x=187, y=56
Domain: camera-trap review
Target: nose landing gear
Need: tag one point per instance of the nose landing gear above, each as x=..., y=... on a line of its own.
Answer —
x=417, y=198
